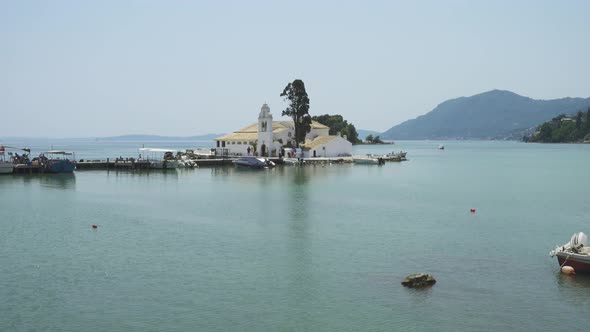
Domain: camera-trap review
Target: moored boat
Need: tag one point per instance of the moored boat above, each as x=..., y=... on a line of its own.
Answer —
x=159, y=158
x=574, y=253
x=291, y=161
x=6, y=166
x=368, y=160
x=57, y=161
x=253, y=162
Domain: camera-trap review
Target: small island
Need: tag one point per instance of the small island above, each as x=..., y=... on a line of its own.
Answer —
x=370, y=140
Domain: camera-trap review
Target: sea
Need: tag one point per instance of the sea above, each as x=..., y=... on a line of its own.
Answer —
x=313, y=248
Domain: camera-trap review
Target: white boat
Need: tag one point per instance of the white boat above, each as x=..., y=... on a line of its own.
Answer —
x=186, y=162
x=574, y=253
x=159, y=158
x=204, y=153
x=7, y=164
x=291, y=161
x=253, y=162
x=392, y=156
x=199, y=153
x=368, y=160
x=441, y=147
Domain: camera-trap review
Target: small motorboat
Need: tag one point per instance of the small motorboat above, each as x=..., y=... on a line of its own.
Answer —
x=160, y=158
x=57, y=161
x=368, y=160
x=253, y=162
x=574, y=253
x=441, y=147
x=392, y=156
x=291, y=161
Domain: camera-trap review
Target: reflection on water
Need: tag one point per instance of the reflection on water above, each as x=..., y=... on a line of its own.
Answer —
x=572, y=286
x=301, y=177
x=301, y=281
x=419, y=295
x=152, y=174
x=221, y=171
x=58, y=181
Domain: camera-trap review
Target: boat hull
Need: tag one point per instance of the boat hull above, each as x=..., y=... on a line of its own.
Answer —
x=60, y=166
x=164, y=164
x=368, y=161
x=580, y=263
x=6, y=168
x=252, y=162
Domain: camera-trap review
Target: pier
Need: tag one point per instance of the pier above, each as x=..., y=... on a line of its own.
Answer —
x=112, y=164
x=132, y=164
x=28, y=169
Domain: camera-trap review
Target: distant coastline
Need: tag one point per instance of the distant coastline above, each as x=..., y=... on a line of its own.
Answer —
x=132, y=137
x=206, y=137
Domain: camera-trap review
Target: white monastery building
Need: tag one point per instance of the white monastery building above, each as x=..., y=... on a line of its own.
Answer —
x=266, y=138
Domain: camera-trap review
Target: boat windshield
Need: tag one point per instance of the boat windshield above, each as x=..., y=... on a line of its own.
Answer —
x=156, y=153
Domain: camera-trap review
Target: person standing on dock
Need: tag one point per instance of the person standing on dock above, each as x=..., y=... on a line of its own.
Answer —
x=248, y=150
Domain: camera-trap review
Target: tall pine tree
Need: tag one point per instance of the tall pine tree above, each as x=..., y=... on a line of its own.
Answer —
x=298, y=109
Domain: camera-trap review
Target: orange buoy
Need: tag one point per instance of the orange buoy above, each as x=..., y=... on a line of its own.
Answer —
x=94, y=226
x=472, y=210
x=568, y=270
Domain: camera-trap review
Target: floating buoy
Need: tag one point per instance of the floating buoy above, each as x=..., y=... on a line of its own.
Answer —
x=472, y=210
x=568, y=270
x=94, y=226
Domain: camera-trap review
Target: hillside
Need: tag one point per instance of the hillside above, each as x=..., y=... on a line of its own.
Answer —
x=494, y=114
x=563, y=129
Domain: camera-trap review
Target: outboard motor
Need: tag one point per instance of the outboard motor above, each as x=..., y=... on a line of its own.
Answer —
x=578, y=241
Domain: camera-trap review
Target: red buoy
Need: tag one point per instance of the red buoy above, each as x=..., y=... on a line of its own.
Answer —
x=472, y=210
x=94, y=226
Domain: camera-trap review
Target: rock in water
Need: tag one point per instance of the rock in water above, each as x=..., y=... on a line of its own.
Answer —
x=419, y=280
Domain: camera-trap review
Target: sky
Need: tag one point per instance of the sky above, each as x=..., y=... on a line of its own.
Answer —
x=181, y=68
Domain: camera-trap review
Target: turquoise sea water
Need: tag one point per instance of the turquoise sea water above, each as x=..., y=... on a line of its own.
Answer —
x=299, y=249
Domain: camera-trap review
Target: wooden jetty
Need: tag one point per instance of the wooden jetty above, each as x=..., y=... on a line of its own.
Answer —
x=112, y=164
x=144, y=164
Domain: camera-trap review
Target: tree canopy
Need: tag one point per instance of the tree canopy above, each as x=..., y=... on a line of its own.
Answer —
x=373, y=140
x=563, y=129
x=298, y=109
x=337, y=125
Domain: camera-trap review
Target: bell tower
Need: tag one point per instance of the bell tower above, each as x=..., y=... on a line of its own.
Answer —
x=265, y=138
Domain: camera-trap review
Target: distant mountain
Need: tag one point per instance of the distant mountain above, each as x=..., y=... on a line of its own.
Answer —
x=158, y=138
x=494, y=114
x=363, y=133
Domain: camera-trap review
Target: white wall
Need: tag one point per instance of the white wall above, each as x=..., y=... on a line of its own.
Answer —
x=334, y=148
x=234, y=149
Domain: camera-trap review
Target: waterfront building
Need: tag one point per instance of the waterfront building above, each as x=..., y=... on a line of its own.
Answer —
x=266, y=137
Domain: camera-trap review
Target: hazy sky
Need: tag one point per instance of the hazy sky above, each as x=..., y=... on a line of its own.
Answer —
x=102, y=68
